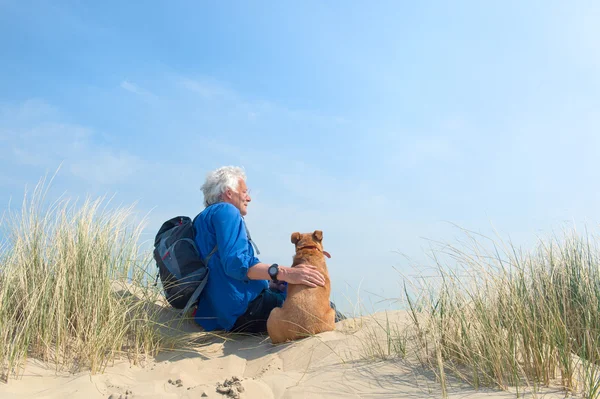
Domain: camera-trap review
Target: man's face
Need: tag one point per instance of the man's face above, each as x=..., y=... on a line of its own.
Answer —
x=239, y=198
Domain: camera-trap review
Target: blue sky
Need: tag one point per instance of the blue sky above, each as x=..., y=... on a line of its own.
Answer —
x=380, y=123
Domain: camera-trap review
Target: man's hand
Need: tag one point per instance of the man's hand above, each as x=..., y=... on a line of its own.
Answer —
x=302, y=274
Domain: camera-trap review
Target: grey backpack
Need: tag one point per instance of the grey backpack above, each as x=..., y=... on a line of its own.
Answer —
x=182, y=271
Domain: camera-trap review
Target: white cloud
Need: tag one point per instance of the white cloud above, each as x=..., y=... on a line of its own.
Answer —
x=33, y=135
x=29, y=111
x=207, y=88
x=231, y=102
x=107, y=167
x=132, y=88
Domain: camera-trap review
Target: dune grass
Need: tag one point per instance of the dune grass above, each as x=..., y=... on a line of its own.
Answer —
x=74, y=291
x=73, y=287
x=512, y=320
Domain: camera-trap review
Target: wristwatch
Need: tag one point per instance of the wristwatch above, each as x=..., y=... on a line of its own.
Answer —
x=273, y=271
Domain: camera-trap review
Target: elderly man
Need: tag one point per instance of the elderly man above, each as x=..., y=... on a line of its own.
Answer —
x=237, y=296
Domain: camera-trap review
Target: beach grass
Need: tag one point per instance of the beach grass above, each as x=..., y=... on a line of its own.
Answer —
x=495, y=316
x=74, y=287
x=75, y=292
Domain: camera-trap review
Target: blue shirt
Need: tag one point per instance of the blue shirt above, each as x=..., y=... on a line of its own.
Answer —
x=228, y=290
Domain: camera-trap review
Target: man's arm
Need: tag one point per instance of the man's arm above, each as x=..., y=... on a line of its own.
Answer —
x=299, y=274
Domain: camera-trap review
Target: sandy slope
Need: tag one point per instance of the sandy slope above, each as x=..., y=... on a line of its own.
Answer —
x=325, y=366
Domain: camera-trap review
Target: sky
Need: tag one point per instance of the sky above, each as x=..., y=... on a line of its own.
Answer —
x=387, y=125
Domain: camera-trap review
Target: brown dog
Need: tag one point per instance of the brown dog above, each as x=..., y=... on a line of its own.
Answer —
x=306, y=311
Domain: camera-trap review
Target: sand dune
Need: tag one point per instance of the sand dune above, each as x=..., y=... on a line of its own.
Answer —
x=329, y=365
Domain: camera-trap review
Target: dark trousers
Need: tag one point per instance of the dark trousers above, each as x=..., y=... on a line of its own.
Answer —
x=254, y=320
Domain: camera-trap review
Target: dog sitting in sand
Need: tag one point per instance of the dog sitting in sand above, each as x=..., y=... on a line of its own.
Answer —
x=306, y=311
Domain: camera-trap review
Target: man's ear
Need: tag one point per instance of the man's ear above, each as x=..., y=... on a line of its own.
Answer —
x=318, y=235
x=295, y=237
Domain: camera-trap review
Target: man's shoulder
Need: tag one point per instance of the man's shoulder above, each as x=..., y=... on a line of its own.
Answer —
x=223, y=210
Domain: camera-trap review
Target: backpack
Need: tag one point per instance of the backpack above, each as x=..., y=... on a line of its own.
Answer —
x=181, y=269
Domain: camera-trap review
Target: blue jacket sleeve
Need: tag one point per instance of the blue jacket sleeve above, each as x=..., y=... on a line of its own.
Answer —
x=232, y=241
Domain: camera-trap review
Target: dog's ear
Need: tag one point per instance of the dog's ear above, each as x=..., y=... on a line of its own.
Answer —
x=318, y=235
x=295, y=237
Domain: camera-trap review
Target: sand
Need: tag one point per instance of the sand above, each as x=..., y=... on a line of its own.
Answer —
x=328, y=365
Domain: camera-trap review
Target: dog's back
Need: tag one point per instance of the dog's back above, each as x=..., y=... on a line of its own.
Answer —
x=306, y=311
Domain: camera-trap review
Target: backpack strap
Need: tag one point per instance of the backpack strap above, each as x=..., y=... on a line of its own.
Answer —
x=209, y=255
x=199, y=289
x=250, y=239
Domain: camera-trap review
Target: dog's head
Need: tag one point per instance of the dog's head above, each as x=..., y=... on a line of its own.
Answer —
x=312, y=240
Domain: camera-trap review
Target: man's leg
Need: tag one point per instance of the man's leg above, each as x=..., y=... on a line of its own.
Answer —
x=255, y=318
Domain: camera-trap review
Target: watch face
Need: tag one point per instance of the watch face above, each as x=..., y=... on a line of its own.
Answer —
x=273, y=270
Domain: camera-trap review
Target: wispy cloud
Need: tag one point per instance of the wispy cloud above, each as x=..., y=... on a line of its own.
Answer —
x=33, y=135
x=29, y=111
x=132, y=88
x=107, y=167
x=253, y=109
x=207, y=88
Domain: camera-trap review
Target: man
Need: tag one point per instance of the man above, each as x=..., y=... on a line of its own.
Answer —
x=237, y=296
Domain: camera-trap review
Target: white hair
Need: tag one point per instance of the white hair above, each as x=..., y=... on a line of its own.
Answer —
x=219, y=180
